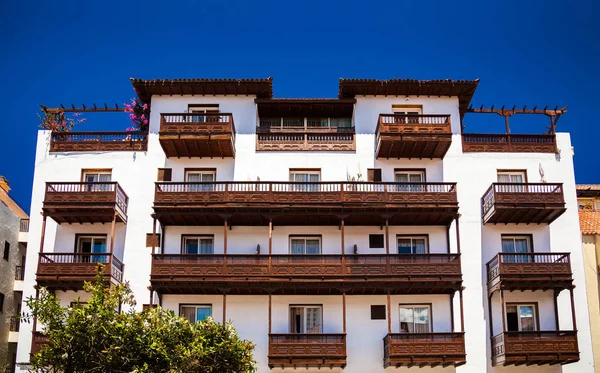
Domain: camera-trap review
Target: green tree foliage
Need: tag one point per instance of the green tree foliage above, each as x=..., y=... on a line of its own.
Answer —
x=106, y=334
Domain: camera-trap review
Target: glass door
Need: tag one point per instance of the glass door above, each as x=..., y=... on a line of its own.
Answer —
x=521, y=317
x=306, y=319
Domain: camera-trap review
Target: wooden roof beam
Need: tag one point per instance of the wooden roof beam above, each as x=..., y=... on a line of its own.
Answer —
x=503, y=111
x=82, y=109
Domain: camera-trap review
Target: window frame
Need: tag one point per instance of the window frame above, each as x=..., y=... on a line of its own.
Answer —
x=305, y=306
x=304, y=171
x=184, y=237
x=510, y=172
x=196, y=306
x=411, y=171
x=512, y=236
x=407, y=110
x=305, y=237
x=411, y=237
x=200, y=171
x=413, y=305
x=95, y=171
x=79, y=236
x=536, y=318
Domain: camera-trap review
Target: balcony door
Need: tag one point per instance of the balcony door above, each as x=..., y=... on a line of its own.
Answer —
x=513, y=177
x=516, y=245
x=412, y=245
x=306, y=319
x=305, y=245
x=97, y=176
x=89, y=244
x=197, y=245
x=415, y=318
x=521, y=318
x=305, y=176
x=410, y=114
x=204, y=109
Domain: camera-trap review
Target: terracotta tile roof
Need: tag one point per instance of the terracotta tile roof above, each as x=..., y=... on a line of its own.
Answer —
x=589, y=222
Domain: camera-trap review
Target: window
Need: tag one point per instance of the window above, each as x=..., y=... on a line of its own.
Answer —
x=195, y=313
x=305, y=176
x=413, y=245
x=306, y=319
x=409, y=113
x=98, y=177
x=1, y=302
x=204, y=109
x=378, y=312
x=521, y=317
x=305, y=245
x=415, y=319
x=376, y=241
x=409, y=176
x=90, y=244
x=6, y=250
x=200, y=176
x=197, y=245
x=513, y=177
x=516, y=245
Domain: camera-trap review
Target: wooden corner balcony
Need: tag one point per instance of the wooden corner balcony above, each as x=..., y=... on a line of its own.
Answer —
x=307, y=350
x=535, y=348
x=413, y=136
x=529, y=271
x=98, y=141
x=68, y=271
x=424, y=349
x=539, y=203
x=306, y=274
x=38, y=341
x=197, y=135
x=294, y=203
x=318, y=139
x=96, y=202
x=513, y=143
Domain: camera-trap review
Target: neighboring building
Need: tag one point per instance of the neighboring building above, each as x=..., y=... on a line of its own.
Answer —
x=588, y=197
x=14, y=224
x=365, y=233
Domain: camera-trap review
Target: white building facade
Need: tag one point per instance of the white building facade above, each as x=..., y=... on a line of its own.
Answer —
x=366, y=233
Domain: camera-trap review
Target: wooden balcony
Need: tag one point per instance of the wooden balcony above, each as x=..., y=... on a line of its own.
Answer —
x=197, y=135
x=307, y=350
x=413, y=136
x=68, y=271
x=39, y=340
x=98, y=141
x=290, y=203
x=306, y=274
x=85, y=202
x=318, y=139
x=424, y=349
x=529, y=271
x=502, y=143
x=539, y=203
x=535, y=348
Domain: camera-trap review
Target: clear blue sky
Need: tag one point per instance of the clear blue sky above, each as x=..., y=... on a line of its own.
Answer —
x=525, y=53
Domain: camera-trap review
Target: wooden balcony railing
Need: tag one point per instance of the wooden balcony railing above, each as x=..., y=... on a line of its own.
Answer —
x=292, y=138
x=19, y=273
x=98, y=141
x=24, y=225
x=424, y=349
x=307, y=350
x=430, y=273
x=413, y=136
x=537, y=347
x=512, y=143
x=529, y=271
x=91, y=199
x=197, y=134
x=15, y=323
x=523, y=203
x=39, y=341
x=70, y=270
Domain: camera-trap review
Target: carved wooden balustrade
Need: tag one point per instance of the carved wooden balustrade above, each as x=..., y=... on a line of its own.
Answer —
x=529, y=271
x=513, y=143
x=535, y=348
x=39, y=340
x=523, y=203
x=70, y=270
x=424, y=349
x=98, y=141
x=431, y=203
x=297, y=137
x=307, y=350
x=307, y=274
x=413, y=136
x=197, y=134
x=88, y=202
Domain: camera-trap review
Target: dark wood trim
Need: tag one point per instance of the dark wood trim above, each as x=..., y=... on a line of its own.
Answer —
x=530, y=235
x=524, y=171
x=536, y=307
x=304, y=169
x=78, y=235
x=429, y=304
x=184, y=236
x=203, y=105
x=426, y=235
x=423, y=170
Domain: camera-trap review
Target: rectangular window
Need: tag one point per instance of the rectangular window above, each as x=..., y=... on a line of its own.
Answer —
x=204, y=109
x=92, y=244
x=521, y=317
x=195, y=313
x=6, y=250
x=413, y=245
x=512, y=177
x=197, y=245
x=409, y=176
x=198, y=178
x=378, y=312
x=101, y=178
x=376, y=241
x=1, y=302
x=409, y=113
x=305, y=245
x=305, y=177
x=516, y=245
x=415, y=319
x=306, y=319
